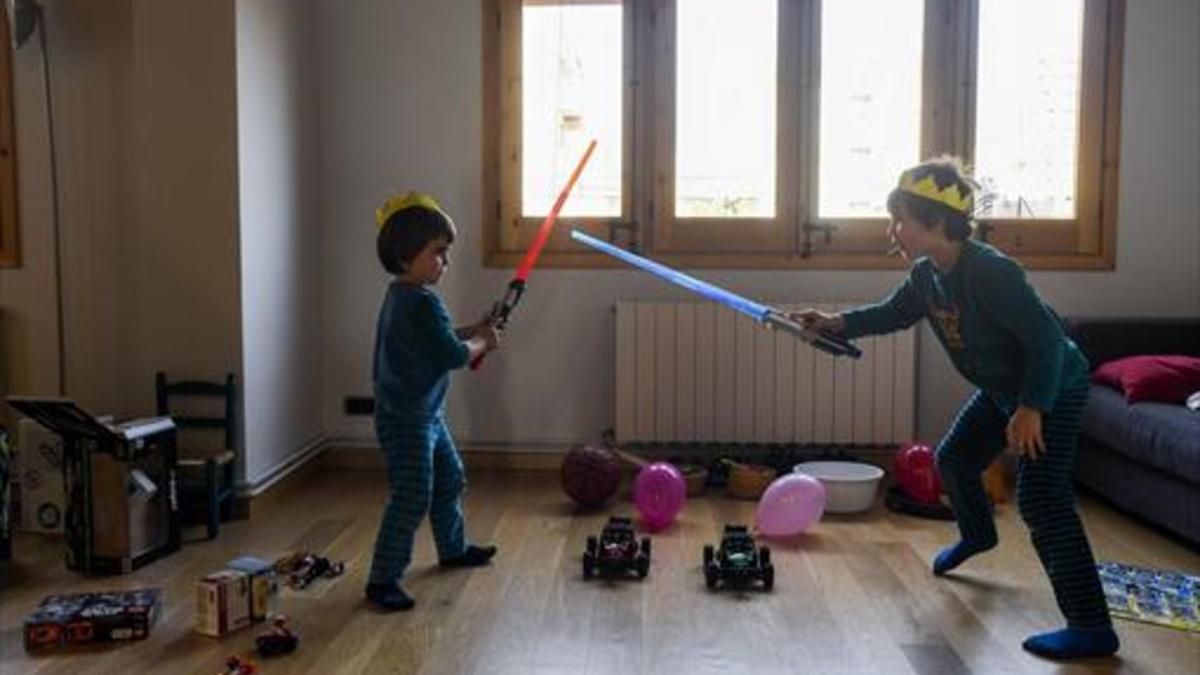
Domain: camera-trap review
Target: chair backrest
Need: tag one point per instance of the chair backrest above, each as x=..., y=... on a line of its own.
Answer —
x=165, y=392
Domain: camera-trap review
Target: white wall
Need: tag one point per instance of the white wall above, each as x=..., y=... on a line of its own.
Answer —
x=28, y=321
x=158, y=273
x=144, y=118
x=402, y=91
x=181, y=253
x=280, y=238
x=90, y=88
x=148, y=125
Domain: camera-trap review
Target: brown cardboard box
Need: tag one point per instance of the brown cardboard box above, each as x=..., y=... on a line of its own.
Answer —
x=264, y=587
x=223, y=603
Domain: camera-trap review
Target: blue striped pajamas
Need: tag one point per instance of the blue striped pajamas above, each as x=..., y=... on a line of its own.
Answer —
x=425, y=475
x=1044, y=495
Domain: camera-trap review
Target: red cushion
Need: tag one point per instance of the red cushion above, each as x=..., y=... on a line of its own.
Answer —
x=1151, y=378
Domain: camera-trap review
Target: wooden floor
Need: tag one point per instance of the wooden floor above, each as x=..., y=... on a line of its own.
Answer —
x=854, y=595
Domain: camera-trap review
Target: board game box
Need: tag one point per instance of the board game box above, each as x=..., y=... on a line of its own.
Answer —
x=84, y=618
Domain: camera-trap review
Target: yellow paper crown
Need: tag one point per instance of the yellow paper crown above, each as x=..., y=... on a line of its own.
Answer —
x=398, y=203
x=927, y=188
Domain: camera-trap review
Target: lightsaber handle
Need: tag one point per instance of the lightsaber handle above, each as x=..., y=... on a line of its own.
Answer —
x=501, y=311
x=826, y=342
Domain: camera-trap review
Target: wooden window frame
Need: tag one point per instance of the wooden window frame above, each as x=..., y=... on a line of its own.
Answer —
x=10, y=244
x=795, y=238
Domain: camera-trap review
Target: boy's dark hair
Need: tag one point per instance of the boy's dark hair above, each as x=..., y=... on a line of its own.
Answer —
x=407, y=232
x=946, y=172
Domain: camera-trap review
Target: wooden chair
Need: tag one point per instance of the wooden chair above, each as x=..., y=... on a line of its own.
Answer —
x=205, y=474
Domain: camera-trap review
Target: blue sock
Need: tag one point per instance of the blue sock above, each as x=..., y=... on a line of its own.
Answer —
x=953, y=556
x=1074, y=643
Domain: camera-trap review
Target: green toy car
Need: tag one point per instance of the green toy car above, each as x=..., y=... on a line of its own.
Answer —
x=738, y=563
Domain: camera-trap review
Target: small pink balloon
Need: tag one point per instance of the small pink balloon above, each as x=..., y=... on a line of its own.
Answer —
x=659, y=493
x=790, y=505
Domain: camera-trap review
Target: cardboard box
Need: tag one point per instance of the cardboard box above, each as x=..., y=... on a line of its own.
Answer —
x=223, y=603
x=264, y=585
x=39, y=472
x=62, y=620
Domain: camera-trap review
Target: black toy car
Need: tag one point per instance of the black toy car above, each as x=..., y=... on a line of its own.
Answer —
x=738, y=563
x=279, y=639
x=616, y=553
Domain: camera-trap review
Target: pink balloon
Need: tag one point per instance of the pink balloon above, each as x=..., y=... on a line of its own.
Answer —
x=659, y=493
x=790, y=505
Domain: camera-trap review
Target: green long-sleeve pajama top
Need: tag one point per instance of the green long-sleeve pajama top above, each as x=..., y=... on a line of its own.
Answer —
x=1000, y=335
x=415, y=350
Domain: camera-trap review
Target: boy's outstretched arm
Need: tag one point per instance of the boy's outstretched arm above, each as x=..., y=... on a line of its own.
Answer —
x=900, y=310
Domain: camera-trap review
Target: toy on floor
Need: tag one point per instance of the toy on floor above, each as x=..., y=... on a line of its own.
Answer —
x=718, y=472
x=301, y=569
x=790, y=505
x=738, y=563
x=278, y=639
x=1152, y=596
x=748, y=481
x=236, y=665
x=616, y=553
x=590, y=475
x=84, y=618
x=659, y=493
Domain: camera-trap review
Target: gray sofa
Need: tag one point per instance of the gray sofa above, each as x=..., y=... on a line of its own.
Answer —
x=1144, y=458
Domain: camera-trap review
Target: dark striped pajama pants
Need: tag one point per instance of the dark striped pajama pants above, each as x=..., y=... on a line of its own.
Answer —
x=1045, y=495
x=425, y=475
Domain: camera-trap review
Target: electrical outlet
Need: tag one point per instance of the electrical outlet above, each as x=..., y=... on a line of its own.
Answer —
x=358, y=405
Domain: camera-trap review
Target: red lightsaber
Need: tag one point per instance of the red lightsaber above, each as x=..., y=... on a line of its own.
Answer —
x=516, y=288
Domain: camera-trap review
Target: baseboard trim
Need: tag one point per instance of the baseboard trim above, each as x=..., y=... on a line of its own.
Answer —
x=363, y=453
x=358, y=454
x=288, y=466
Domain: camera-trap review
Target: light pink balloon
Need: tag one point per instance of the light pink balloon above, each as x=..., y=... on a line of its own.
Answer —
x=790, y=505
x=659, y=493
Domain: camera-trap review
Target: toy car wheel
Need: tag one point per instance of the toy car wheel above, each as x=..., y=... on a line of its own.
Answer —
x=709, y=552
x=592, y=545
x=710, y=576
x=587, y=566
x=764, y=556
x=646, y=546
x=768, y=577
x=643, y=566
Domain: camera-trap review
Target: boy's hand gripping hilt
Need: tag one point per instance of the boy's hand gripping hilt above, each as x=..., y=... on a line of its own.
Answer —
x=501, y=311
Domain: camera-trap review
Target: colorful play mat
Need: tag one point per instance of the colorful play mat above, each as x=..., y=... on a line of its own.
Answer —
x=1152, y=596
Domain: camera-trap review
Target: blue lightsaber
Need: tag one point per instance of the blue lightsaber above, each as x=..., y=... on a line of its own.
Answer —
x=771, y=317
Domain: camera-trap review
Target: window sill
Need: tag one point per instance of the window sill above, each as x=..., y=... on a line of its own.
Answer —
x=824, y=261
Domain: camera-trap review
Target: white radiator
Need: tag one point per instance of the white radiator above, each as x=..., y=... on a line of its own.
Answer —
x=702, y=373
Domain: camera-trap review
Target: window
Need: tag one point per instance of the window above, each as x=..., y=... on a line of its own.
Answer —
x=725, y=154
x=767, y=133
x=571, y=66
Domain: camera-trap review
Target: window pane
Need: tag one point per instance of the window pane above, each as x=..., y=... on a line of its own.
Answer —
x=1028, y=107
x=725, y=108
x=870, y=102
x=571, y=93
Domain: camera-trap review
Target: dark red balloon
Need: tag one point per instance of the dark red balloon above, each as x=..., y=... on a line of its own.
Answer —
x=916, y=471
x=590, y=475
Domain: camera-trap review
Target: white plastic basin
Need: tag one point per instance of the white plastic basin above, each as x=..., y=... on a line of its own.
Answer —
x=849, y=486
